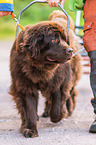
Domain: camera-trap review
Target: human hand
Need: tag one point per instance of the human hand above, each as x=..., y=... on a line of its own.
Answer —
x=54, y=3
x=4, y=13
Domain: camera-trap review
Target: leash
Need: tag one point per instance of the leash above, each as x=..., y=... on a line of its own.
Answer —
x=14, y=18
x=80, y=50
x=41, y=1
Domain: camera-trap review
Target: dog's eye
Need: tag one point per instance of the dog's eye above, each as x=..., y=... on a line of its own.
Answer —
x=54, y=40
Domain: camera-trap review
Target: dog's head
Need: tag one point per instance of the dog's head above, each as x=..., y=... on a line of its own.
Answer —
x=45, y=43
x=59, y=17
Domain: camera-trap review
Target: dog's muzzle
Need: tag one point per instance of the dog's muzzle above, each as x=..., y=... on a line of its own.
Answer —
x=69, y=51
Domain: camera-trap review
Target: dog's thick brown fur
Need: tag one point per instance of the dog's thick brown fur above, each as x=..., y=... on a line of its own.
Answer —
x=39, y=60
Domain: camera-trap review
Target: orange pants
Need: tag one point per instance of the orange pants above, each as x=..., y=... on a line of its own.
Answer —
x=89, y=38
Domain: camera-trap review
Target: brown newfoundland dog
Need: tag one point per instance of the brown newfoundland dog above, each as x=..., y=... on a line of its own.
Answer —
x=39, y=60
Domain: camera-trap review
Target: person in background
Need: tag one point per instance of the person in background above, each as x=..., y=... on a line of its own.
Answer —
x=54, y=3
x=6, y=7
x=89, y=42
x=4, y=13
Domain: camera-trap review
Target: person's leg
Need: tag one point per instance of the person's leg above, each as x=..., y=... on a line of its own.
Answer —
x=89, y=42
x=92, y=55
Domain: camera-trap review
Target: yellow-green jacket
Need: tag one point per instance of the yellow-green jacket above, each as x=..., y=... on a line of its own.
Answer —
x=76, y=5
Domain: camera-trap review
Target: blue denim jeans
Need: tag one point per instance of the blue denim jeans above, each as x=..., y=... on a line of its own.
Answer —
x=92, y=55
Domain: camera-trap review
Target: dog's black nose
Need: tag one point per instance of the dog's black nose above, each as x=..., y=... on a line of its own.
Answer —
x=69, y=51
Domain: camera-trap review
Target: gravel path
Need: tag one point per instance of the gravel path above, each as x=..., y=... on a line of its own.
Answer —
x=70, y=131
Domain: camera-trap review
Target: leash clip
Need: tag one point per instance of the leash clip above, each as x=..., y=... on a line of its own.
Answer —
x=14, y=18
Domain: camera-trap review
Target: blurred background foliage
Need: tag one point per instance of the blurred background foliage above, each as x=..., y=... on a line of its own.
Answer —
x=35, y=13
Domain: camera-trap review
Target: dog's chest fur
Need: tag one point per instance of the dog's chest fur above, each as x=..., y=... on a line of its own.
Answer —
x=61, y=75
x=52, y=77
x=46, y=79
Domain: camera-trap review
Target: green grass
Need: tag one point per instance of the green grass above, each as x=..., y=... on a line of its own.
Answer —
x=7, y=29
x=34, y=14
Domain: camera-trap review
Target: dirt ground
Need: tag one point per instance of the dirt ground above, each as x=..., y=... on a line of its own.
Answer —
x=70, y=131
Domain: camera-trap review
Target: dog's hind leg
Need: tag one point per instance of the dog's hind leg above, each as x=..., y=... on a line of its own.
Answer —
x=46, y=110
x=74, y=94
x=67, y=102
x=71, y=102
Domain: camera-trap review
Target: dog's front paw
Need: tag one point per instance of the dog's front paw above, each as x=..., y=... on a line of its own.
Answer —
x=30, y=133
x=55, y=116
x=55, y=119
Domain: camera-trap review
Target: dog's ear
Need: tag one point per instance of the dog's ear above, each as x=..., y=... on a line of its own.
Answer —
x=32, y=43
x=29, y=41
x=19, y=41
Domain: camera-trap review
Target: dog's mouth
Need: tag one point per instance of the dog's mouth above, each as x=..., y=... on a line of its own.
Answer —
x=50, y=59
x=57, y=61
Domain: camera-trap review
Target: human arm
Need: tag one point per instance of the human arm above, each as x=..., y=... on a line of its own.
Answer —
x=6, y=7
x=4, y=13
x=54, y=3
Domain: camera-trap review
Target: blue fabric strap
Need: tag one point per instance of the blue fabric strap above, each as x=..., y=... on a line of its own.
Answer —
x=6, y=7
